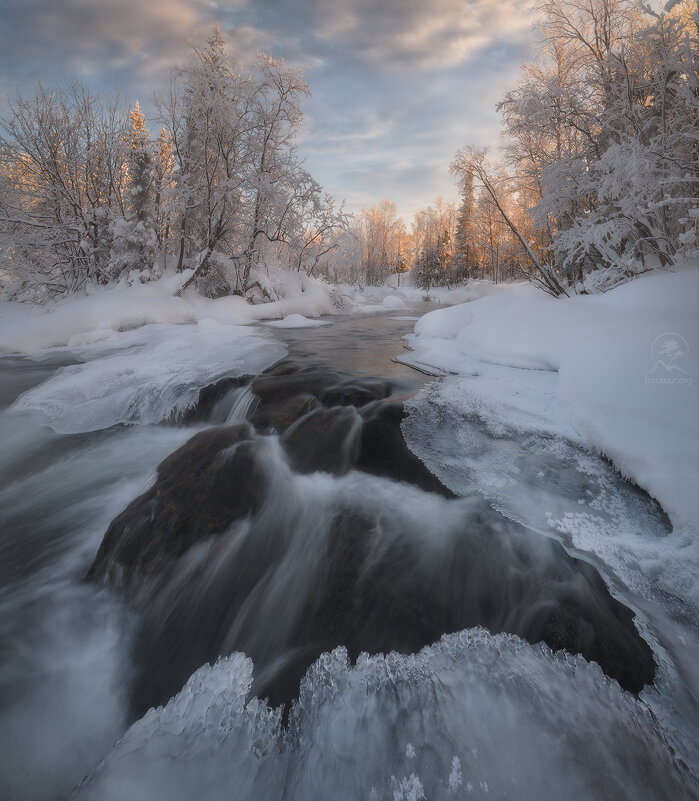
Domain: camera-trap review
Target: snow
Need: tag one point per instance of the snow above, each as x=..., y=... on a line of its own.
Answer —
x=582, y=368
x=145, y=352
x=97, y=316
x=297, y=321
x=393, y=302
x=380, y=298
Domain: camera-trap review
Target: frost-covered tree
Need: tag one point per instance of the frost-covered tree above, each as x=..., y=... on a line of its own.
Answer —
x=620, y=202
x=601, y=143
x=382, y=237
x=276, y=183
x=134, y=239
x=63, y=165
x=239, y=184
x=319, y=225
x=207, y=117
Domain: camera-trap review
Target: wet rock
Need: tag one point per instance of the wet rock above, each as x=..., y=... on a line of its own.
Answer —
x=200, y=489
x=324, y=439
x=209, y=397
x=383, y=451
x=219, y=555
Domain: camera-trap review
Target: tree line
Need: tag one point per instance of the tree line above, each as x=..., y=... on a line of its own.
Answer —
x=600, y=165
x=599, y=174
x=601, y=169
x=88, y=195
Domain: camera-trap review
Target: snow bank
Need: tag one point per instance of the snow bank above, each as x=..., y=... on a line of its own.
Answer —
x=97, y=316
x=619, y=370
x=25, y=328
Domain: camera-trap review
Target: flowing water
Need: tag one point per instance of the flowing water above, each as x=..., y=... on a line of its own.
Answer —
x=393, y=619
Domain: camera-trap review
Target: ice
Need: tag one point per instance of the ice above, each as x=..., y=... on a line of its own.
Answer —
x=528, y=469
x=347, y=733
x=147, y=375
x=599, y=353
x=455, y=777
x=408, y=789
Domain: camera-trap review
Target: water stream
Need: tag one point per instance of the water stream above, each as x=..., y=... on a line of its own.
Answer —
x=291, y=548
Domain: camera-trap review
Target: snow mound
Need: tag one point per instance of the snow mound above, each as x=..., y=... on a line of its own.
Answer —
x=97, y=316
x=393, y=302
x=628, y=364
x=297, y=321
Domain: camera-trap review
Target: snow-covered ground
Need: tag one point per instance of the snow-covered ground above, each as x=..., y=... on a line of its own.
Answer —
x=105, y=312
x=618, y=372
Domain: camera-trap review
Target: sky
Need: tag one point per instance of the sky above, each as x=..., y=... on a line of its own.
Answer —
x=397, y=85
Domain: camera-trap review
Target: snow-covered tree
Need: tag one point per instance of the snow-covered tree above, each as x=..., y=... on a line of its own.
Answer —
x=382, y=237
x=63, y=160
x=602, y=142
x=134, y=239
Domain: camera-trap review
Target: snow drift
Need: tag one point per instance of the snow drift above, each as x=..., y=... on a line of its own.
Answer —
x=588, y=368
x=105, y=311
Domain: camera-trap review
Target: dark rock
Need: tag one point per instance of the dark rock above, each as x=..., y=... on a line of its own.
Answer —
x=200, y=489
x=276, y=416
x=216, y=561
x=209, y=397
x=383, y=451
x=324, y=439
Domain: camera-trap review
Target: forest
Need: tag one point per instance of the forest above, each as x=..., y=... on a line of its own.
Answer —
x=596, y=179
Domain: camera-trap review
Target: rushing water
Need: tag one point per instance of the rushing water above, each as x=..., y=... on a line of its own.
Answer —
x=471, y=715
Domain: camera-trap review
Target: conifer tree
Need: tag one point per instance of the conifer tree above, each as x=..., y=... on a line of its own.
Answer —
x=135, y=243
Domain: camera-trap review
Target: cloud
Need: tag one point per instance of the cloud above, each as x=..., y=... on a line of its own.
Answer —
x=415, y=33
x=397, y=85
x=97, y=34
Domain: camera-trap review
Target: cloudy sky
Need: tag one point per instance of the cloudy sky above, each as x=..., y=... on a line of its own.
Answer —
x=397, y=85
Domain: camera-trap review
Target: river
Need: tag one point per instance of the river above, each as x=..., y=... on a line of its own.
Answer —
x=397, y=619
